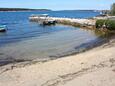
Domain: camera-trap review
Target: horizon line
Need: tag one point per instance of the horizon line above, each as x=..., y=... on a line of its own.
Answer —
x=48, y=9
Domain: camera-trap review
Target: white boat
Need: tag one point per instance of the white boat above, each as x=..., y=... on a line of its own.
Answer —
x=2, y=28
x=39, y=15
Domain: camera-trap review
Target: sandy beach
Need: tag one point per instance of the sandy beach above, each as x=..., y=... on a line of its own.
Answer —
x=95, y=67
x=57, y=43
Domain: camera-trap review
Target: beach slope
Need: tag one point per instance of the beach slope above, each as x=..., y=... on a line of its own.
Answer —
x=95, y=67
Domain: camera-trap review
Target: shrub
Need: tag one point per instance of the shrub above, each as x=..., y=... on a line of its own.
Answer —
x=100, y=23
x=110, y=24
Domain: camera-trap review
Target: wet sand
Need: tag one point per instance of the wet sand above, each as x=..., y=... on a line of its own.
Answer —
x=95, y=67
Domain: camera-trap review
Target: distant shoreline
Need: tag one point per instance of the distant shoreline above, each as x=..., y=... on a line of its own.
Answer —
x=21, y=9
x=25, y=11
x=28, y=9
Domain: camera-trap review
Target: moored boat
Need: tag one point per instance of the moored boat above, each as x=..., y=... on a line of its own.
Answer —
x=49, y=22
x=2, y=28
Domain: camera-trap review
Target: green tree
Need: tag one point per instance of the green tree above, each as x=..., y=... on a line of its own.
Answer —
x=113, y=10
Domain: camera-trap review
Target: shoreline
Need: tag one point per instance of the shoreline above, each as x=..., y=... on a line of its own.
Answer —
x=76, y=22
x=87, y=23
x=94, y=67
x=66, y=71
x=78, y=50
x=62, y=21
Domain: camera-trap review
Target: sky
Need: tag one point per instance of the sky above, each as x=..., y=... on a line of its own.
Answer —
x=58, y=4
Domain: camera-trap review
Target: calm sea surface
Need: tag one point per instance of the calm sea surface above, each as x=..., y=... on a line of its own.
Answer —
x=30, y=41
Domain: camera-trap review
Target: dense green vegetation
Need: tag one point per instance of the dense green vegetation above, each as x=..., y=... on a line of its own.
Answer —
x=112, y=12
x=100, y=23
x=108, y=24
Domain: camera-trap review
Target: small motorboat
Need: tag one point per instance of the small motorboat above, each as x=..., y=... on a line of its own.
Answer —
x=39, y=15
x=49, y=22
x=3, y=28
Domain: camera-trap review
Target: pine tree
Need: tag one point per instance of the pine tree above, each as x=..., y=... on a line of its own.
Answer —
x=113, y=10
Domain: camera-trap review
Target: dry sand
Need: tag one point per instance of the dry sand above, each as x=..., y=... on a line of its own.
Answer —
x=92, y=68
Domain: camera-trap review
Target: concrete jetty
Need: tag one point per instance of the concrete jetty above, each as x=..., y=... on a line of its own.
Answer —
x=89, y=23
x=42, y=19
